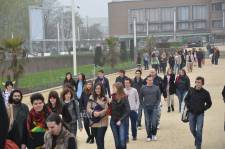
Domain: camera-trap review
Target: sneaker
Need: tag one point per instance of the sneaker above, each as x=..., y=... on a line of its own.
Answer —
x=148, y=139
x=172, y=107
x=154, y=138
x=139, y=127
x=158, y=126
x=168, y=109
x=134, y=138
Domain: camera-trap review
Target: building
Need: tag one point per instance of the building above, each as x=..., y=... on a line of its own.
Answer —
x=170, y=20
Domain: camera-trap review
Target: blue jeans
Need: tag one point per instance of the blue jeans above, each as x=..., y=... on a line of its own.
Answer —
x=151, y=120
x=196, y=125
x=180, y=94
x=119, y=134
x=176, y=68
x=139, y=115
x=146, y=64
x=99, y=133
x=133, y=119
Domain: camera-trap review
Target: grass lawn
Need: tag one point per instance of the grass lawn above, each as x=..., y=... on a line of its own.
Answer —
x=47, y=79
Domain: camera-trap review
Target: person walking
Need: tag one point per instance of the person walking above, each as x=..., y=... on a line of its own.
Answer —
x=71, y=111
x=97, y=108
x=178, y=61
x=69, y=81
x=87, y=92
x=198, y=100
x=138, y=82
x=120, y=111
x=150, y=95
x=7, y=91
x=121, y=76
x=105, y=82
x=134, y=102
x=169, y=84
x=189, y=62
x=81, y=80
x=155, y=62
x=163, y=62
x=182, y=84
x=146, y=60
x=200, y=57
x=18, y=113
x=57, y=136
x=171, y=61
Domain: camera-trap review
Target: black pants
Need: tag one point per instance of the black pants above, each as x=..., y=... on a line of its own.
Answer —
x=99, y=134
x=87, y=127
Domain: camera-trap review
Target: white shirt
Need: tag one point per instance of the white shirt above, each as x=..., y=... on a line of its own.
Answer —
x=133, y=98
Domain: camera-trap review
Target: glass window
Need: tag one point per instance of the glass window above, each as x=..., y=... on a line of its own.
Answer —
x=199, y=25
x=141, y=28
x=167, y=14
x=217, y=23
x=153, y=15
x=167, y=27
x=183, y=13
x=217, y=6
x=154, y=27
x=183, y=26
x=200, y=12
x=139, y=14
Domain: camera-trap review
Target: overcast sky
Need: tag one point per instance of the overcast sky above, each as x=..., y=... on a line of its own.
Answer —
x=91, y=8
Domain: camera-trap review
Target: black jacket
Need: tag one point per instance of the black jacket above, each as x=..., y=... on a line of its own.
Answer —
x=198, y=101
x=138, y=84
x=172, y=88
x=120, y=109
x=182, y=83
x=171, y=61
x=84, y=100
x=223, y=94
x=105, y=83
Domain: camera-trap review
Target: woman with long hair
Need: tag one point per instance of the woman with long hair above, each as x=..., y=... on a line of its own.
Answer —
x=71, y=111
x=97, y=107
x=69, y=81
x=54, y=102
x=87, y=92
x=120, y=111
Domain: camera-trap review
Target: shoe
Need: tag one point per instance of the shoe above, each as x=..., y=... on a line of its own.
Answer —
x=134, y=138
x=92, y=141
x=139, y=127
x=158, y=126
x=148, y=139
x=168, y=109
x=154, y=138
x=172, y=107
x=88, y=139
x=128, y=140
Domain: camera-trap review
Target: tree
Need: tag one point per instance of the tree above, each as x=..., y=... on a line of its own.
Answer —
x=15, y=68
x=150, y=43
x=99, y=58
x=123, y=51
x=112, y=43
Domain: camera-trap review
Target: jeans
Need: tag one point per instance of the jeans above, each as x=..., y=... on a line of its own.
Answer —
x=139, y=115
x=180, y=95
x=126, y=125
x=176, y=68
x=99, y=133
x=159, y=114
x=196, y=125
x=151, y=120
x=133, y=119
x=119, y=134
x=146, y=65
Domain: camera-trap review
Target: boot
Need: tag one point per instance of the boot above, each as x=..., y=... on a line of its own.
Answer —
x=172, y=107
x=168, y=109
x=92, y=139
x=88, y=139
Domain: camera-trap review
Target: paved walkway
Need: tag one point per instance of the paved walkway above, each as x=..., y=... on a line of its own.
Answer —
x=174, y=134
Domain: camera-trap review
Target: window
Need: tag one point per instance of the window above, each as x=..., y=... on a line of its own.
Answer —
x=153, y=15
x=183, y=26
x=217, y=23
x=167, y=27
x=183, y=13
x=154, y=27
x=167, y=14
x=217, y=6
x=199, y=25
x=200, y=12
x=138, y=14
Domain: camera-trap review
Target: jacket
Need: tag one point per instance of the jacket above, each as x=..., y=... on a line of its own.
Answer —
x=65, y=140
x=182, y=83
x=120, y=108
x=120, y=79
x=105, y=83
x=171, y=83
x=198, y=101
x=138, y=84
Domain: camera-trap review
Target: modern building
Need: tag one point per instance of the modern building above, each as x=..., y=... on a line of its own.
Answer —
x=167, y=19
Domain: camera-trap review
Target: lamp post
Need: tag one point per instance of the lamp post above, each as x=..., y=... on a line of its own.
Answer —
x=74, y=38
x=135, y=37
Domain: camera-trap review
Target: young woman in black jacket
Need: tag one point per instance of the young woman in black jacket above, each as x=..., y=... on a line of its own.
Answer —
x=169, y=84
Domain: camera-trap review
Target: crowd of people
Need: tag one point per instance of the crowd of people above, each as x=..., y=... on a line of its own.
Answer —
x=90, y=104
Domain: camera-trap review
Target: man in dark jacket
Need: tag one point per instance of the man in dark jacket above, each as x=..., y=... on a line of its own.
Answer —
x=121, y=78
x=105, y=82
x=200, y=56
x=137, y=84
x=198, y=100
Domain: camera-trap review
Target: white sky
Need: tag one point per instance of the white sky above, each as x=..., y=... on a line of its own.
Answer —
x=91, y=8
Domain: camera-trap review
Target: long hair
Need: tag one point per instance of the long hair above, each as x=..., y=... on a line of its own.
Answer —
x=102, y=94
x=71, y=76
x=12, y=93
x=58, y=105
x=86, y=90
x=120, y=90
x=83, y=77
x=65, y=91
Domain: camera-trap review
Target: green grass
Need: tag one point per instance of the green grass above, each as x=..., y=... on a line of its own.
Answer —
x=47, y=79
